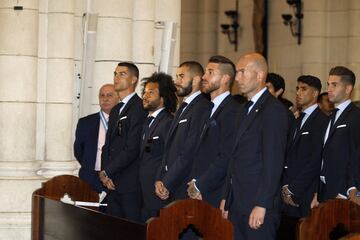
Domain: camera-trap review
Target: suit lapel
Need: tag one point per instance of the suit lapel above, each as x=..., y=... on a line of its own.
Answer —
x=340, y=120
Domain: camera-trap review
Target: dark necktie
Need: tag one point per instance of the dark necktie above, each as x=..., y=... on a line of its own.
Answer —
x=332, y=118
x=298, y=123
x=120, y=104
x=179, y=111
x=147, y=127
x=247, y=106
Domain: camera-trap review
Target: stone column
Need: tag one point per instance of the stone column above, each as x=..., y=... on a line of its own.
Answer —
x=18, y=77
x=58, y=91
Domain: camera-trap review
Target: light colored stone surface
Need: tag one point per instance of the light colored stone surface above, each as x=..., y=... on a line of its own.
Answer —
x=114, y=8
x=143, y=41
x=144, y=10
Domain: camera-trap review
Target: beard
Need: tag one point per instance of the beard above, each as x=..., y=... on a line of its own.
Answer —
x=184, y=91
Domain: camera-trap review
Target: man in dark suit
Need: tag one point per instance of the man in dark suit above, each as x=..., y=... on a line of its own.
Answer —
x=303, y=158
x=339, y=176
x=174, y=172
x=119, y=160
x=253, y=183
x=90, y=138
x=159, y=100
x=217, y=137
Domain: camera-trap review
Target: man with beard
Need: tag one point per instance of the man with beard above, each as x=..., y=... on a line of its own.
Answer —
x=159, y=100
x=119, y=159
x=174, y=172
x=217, y=137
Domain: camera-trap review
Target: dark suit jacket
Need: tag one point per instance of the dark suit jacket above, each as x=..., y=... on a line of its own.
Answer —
x=258, y=157
x=151, y=153
x=120, y=152
x=216, y=140
x=181, y=145
x=85, y=149
x=303, y=162
x=340, y=165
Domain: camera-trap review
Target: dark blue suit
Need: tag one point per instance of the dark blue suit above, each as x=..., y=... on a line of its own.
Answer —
x=217, y=139
x=256, y=166
x=180, y=147
x=340, y=163
x=120, y=158
x=303, y=162
x=151, y=153
x=85, y=149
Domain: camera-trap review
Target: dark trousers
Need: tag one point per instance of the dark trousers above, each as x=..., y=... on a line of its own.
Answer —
x=126, y=205
x=242, y=230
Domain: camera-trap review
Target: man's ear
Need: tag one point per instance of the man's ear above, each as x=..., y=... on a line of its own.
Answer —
x=279, y=92
x=134, y=80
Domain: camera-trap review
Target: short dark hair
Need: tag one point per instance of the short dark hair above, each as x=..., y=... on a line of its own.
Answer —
x=277, y=81
x=132, y=68
x=226, y=66
x=321, y=96
x=310, y=80
x=167, y=89
x=346, y=75
x=194, y=67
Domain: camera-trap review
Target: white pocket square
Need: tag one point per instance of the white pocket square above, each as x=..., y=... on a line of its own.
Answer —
x=155, y=137
x=182, y=121
x=341, y=126
x=304, y=133
x=124, y=117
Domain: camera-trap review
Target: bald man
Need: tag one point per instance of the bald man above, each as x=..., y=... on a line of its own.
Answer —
x=90, y=137
x=253, y=196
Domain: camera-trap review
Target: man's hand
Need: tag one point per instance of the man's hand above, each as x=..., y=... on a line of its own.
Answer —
x=106, y=181
x=314, y=203
x=353, y=196
x=192, y=191
x=161, y=191
x=222, y=208
x=287, y=197
x=257, y=217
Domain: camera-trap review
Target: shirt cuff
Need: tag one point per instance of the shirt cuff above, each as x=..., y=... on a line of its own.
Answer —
x=348, y=191
x=194, y=180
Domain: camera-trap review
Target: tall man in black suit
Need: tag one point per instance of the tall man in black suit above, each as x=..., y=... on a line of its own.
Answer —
x=303, y=158
x=253, y=195
x=217, y=137
x=339, y=176
x=90, y=137
x=119, y=160
x=174, y=172
x=159, y=100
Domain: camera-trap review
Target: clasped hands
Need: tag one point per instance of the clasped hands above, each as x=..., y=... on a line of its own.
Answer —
x=161, y=191
x=106, y=181
x=192, y=191
x=287, y=197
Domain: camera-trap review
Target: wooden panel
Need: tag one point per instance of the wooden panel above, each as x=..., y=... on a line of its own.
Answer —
x=177, y=216
x=323, y=220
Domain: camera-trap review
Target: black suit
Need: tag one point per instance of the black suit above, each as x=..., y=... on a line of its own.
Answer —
x=256, y=167
x=217, y=139
x=340, y=163
x=180, y=148
x=151, y=152
x=303, y=162
x=120, y=158
x=85, y=149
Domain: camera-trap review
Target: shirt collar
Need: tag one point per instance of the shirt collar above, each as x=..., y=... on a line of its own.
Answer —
x=310, y=109
x=256, y=97
x=218, y=100
x=105, y=114
x=343, y=105
x=189, y=99
x=127, y=98
x=154, y=114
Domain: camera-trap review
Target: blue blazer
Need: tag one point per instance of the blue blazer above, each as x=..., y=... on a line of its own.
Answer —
x=180, y=147
x=340, y=160
x=216, y=140
x=151, y=152
x=303, y=162
x=121, y=150
x=258, y=156
x=85, y=149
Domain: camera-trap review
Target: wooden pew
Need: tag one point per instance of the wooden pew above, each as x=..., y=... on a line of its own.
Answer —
x=52, y=219
x=334, y=217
